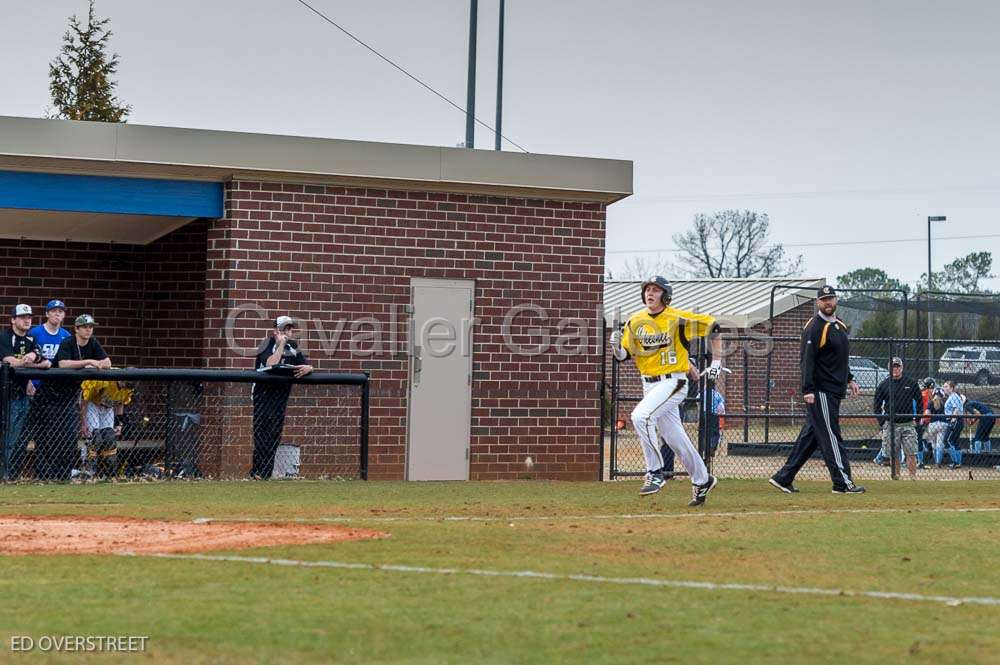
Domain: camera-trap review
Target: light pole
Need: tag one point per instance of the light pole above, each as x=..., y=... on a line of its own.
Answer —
x=470, y=98
x=927, y=300
x=499, y=78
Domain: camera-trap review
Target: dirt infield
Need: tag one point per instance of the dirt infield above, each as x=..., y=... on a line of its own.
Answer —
x=108, y=535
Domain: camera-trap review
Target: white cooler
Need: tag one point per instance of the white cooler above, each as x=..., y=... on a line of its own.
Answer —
x=286, y=461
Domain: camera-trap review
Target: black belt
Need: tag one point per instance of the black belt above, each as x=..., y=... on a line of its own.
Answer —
x=661, y=377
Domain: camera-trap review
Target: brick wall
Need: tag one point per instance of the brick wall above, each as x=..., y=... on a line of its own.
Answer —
x=174, y=273
x=146, y=299
x=328, y=254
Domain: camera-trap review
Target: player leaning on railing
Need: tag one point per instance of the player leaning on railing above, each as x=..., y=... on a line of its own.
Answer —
x=658, y=337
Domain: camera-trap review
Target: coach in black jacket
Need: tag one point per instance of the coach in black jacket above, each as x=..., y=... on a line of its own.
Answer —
x=824, y=356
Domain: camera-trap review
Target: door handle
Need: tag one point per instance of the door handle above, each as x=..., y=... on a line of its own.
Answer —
x=417, y=365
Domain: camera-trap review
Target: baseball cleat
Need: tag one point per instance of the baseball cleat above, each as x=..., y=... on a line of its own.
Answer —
x=699, y=492
x=787, y=489
x=853, y=489
x=653, y=483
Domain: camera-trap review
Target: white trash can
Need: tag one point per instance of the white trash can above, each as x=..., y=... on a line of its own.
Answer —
x=286, y=461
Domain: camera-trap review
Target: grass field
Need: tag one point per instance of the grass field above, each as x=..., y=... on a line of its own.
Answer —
x=912, y=538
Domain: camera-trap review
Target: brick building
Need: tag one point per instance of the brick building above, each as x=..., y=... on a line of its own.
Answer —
x=184, y=244
x=743, y=308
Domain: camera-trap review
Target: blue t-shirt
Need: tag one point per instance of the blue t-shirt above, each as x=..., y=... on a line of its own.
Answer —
x=954, y=407
x=48, y=342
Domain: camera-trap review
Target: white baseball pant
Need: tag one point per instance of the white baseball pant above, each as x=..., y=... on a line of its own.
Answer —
x=659, y=411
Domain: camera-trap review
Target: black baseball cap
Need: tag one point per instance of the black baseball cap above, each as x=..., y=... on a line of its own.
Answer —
x=826, y=292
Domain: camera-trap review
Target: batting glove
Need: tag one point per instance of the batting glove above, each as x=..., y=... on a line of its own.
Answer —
x=616, y=346
x=714, y=370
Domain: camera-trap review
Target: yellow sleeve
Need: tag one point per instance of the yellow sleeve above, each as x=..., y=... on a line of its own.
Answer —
x=627, y=339
x=90, y=389
x=696, y=325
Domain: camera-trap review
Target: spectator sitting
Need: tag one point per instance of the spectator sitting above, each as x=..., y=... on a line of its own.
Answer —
x=981, y=438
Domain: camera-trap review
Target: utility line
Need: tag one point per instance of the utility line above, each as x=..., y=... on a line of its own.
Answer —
x=824, y=244
x=399, y=68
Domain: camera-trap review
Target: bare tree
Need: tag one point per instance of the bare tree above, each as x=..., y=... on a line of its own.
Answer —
x=640, y=267
x=733, y=243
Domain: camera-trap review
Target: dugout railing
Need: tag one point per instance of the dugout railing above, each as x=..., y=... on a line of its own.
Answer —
x=764, y=411
x=147, y=424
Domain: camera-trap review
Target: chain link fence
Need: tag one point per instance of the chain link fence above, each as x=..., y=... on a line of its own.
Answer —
x=761, y=411
x=152, y=424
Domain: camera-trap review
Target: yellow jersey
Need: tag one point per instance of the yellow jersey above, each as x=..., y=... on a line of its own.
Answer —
x=659, y=342
x=106, y=393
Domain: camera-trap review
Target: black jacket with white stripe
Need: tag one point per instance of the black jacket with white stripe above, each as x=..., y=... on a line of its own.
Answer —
x=824, y=357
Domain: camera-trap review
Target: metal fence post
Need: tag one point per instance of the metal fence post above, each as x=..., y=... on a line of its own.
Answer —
x=615, y=376
x=746, y=391
x=603, y=396
x=696, y=362
x=893, y=448
x=708, y=407
x=767, y=397
x=168, y=435
x=5, y=377
x=365, y=403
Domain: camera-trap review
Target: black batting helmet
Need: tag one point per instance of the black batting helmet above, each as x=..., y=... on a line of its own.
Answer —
x=661, y=282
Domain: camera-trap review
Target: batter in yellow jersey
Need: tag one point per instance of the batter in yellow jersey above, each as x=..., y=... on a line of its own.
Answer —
x=657, y=338
x=659, y=342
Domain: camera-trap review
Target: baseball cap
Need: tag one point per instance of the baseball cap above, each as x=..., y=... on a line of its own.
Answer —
x=283, y=321
x=826, y=292
x=85, y=320
x=21, y=310
x=896, y=360
x=55, y=304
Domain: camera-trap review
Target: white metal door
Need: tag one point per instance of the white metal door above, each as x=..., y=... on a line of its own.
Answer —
x=440, y=379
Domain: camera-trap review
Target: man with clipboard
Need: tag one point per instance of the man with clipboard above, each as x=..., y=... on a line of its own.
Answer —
x=279, y=354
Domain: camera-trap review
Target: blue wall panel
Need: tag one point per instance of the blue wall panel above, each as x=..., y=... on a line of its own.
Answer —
x=132, y=196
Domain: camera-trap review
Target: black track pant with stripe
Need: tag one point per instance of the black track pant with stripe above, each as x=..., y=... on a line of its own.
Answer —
x=822, y=429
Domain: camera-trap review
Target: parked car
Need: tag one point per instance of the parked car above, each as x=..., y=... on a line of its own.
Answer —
x=866, y=373
x=978, y=364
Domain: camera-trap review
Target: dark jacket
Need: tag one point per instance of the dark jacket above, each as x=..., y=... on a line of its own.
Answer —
x=906, y=398
x=824, y=356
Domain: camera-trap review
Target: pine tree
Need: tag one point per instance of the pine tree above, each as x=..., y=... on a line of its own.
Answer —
x=81, y=78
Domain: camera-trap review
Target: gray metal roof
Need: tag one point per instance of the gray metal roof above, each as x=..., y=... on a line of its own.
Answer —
x=100, y=148
x=735, y=303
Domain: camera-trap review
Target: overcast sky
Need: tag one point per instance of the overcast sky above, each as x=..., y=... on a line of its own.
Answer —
x=844, y=121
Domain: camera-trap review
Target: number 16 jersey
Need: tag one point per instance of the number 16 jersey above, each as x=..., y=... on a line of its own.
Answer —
x=659, y=342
